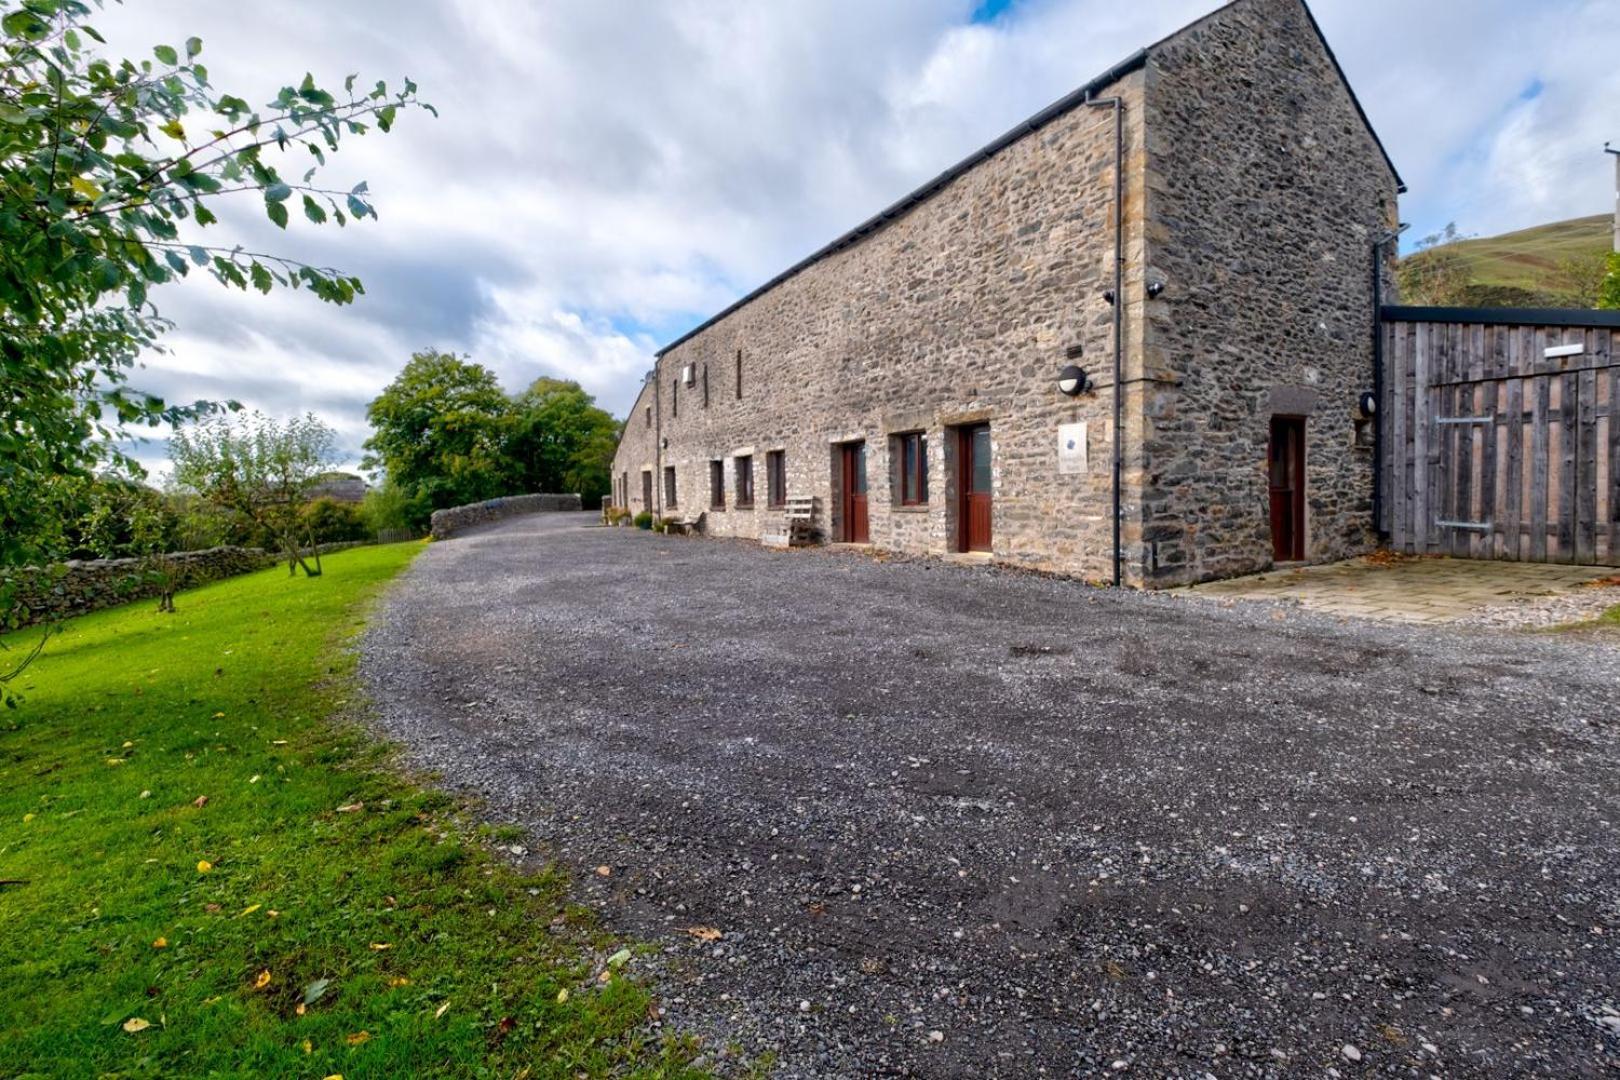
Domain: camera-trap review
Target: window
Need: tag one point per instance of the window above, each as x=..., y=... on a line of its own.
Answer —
x=776, y=479
x=739, y=374
x=646, y=489
x=717, y=485
x=669, y=487
x=674, y=399
x=649, y=416
x=745, y=482
x=912, y=450
x=705, y=386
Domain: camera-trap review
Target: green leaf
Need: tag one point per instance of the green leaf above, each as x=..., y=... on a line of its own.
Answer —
x=313, y=211
x=261, y=277
x=198, y=255
x=174, y=259
x=193, y=47
x=277, y=192
x=277, y=212
x=205, y=216
x=166, y=55
x=312, y=993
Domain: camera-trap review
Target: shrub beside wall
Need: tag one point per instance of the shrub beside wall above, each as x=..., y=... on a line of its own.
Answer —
x=446, y=523
x=82, y=586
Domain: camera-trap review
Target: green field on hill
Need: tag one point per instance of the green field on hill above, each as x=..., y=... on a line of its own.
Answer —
x=1523, y=269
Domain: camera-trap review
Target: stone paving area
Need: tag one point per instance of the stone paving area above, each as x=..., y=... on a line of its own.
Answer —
x=1425, y=590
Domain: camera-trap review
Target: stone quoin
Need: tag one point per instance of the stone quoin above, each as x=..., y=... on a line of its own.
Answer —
x=906, y=377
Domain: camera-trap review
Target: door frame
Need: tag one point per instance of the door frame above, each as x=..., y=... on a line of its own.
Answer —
x=854, y=518
x=964, y=489
x=1298, y=493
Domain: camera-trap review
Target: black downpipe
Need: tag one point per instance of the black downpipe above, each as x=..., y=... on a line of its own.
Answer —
x=1378, y=389
x=1118, y=105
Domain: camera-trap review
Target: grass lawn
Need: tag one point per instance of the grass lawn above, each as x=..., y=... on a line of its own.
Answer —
x=219, y=878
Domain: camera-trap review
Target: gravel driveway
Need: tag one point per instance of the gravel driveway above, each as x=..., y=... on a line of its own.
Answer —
x=955, y=821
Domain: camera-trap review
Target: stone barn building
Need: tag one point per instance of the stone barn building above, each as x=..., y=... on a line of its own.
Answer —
x=1132, y=339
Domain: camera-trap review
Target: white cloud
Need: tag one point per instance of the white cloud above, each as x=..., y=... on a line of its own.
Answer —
x=606, y=172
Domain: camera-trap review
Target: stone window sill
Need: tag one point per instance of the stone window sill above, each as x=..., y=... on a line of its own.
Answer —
x=745, y=506
x=910, y=509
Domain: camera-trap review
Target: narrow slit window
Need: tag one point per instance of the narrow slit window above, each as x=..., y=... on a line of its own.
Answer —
x=776, y=479
x=705, y=386
x=669, y=487
x=739, y=374
x=717, y=485
x=913, y=449
x=745, y=482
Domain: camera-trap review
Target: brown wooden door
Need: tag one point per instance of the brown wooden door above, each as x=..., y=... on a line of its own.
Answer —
x=646, y=489
x=973, y=513
x=1286, y=464
x=856, y=528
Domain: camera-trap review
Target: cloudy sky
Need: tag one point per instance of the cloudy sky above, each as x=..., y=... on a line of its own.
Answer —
x=606, y=173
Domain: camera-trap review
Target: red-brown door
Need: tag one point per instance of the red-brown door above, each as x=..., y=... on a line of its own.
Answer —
x=856, y=528
x=973, y=512
x=1286, y=466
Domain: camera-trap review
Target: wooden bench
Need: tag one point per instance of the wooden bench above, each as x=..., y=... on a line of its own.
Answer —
x=797, y=527
x=685, y=526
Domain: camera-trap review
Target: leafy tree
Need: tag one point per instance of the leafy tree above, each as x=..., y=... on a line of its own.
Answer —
x=327, y=521
x=258, y=469
x=440, y=432
x=561, y=440
x=1435, y=274
x=112, y=170
x=387, y=507
x=1577, y=280
x=1609, y=291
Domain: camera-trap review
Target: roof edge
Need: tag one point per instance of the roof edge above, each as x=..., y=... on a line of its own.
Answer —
x=1057, y=109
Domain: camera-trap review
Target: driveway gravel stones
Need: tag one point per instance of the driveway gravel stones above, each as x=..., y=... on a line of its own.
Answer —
x=959, y=821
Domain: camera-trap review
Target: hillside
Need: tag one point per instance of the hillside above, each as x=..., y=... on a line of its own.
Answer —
x=1528, y=268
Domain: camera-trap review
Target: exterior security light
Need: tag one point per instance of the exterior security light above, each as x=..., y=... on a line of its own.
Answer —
x=1072, y=381
x=1154, y=289
x=1367, y=405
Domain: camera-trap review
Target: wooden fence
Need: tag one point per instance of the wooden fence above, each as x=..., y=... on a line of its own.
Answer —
x=1501, y=434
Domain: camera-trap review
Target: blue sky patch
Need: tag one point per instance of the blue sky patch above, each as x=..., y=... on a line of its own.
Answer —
x=990, y=10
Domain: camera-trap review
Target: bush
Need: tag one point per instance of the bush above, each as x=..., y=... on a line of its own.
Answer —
x=387, y=508
x=644, y=520
x=332, y=522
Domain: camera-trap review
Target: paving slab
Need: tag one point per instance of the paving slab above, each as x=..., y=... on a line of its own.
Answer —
x=1407, y=589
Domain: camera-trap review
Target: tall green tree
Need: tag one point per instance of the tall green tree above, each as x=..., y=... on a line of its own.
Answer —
x=111, y=173
x=1609, y=288
x=440, y=431
x=561, y=440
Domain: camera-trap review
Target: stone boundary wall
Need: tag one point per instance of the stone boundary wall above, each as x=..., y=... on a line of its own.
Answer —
x=83, y=586
x=446, y=523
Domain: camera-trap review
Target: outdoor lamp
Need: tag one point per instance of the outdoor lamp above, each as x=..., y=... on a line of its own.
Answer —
x=1072, y=380
x=1367, y=405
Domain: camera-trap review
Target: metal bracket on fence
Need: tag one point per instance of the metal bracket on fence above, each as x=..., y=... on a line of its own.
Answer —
x=1463, y=419
x=1476, y=526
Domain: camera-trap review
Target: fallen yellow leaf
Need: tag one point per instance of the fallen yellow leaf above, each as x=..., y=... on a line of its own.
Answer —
x=442, y=1010
x=127, y=745
x=218, y=715
x=350, y=808
x=254, y=779
x=704, y=933
x=562, y=995
x=262, y=981
x=161, y=943
x=309, y=1047
x=379, y=946
x=604, y=871
x=299, y=1008
x=146, y=794
x=358, y=1037
x=27, y=818
x=115, y=761
x=272, y=913
x=335, y=1076
x=203, y=866
x=399, y=980
x=200, y=801
x=250, y=909
x=135, y=1023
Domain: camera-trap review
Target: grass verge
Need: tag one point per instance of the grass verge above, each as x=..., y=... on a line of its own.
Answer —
x=217, y=877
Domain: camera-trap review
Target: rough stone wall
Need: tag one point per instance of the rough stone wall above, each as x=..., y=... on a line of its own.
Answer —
x=960, y=310
x=78, y=587
x=446, y=523
x=1266, y=194
x=637, y=453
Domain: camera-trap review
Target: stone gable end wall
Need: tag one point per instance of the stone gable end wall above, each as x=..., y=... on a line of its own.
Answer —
x=961, y=309
x=1266, y=194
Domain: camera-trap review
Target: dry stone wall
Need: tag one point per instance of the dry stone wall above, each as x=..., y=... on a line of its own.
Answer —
x=446, y=523
x=78, y=587
x=1266, y=195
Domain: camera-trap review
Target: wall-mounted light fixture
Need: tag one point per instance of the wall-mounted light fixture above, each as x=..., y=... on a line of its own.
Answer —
x=1367, y=405
x=1108, y=295
x=1073, y=380
x=1154, y=288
